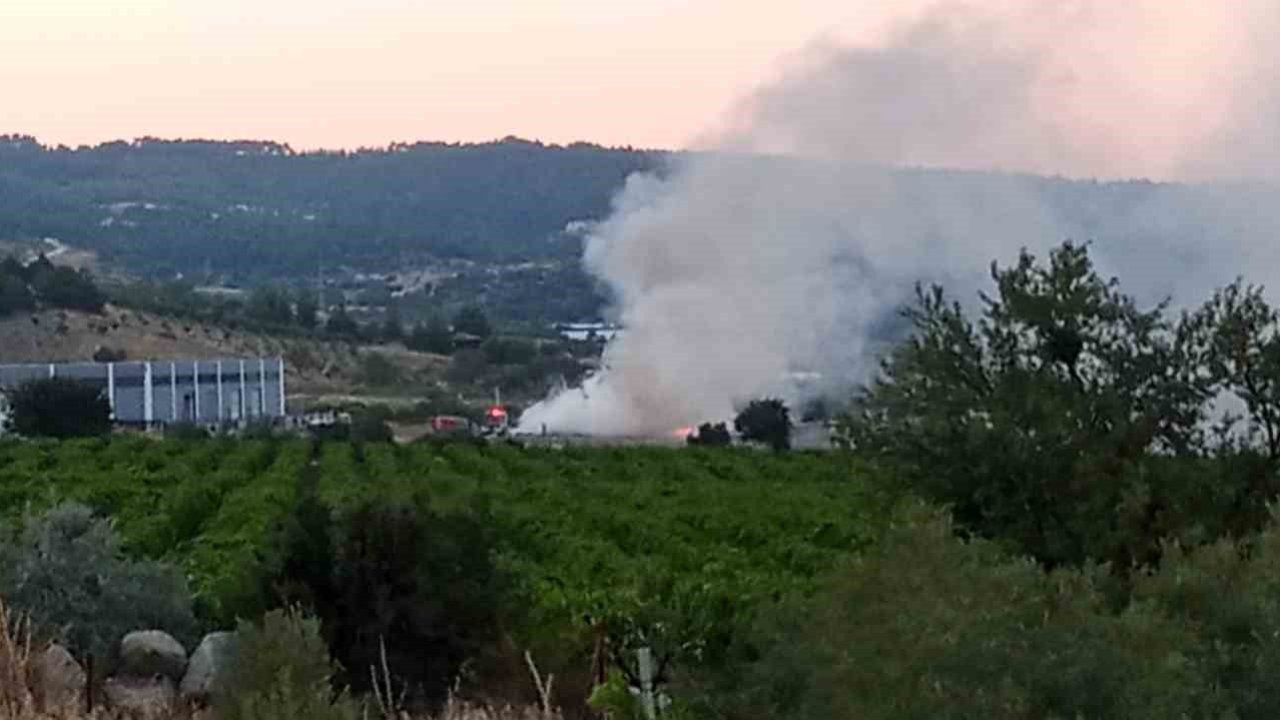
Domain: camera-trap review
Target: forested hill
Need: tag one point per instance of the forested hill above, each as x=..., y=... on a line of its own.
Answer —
x=254, y=210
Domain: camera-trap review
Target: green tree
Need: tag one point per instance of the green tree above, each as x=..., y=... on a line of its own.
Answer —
x=392, y=326
x=341, y=324
x=15, y=296
x=433, y=337
x=1044, y=423
x=59, y=408
x=269, y=305
x=306, y=311
x=472, y=321
x=765, y=421
x=64, y=287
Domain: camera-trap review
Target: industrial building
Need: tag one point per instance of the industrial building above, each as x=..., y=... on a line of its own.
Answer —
x=205, y=392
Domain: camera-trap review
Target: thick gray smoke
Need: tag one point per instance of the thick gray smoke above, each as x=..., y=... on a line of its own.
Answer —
x=785, y=245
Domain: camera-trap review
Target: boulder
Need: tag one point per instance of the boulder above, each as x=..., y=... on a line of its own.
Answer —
x=148, y=653
x=207, y=666
x=143, y=698
x=58, y=680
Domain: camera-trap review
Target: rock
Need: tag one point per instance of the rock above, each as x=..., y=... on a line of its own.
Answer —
x=140, y=697
x=148, y=653
x=58, y=680
x=208, y=663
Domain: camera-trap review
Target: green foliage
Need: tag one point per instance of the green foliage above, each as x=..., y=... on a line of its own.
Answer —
x=377, y=370
x=711, y=435
x=306, y=311
x=1226, y=593
x=270, y=307
x=392, y=578
x=433, y=337
x=392, y=326
x=924, y=625
x=472, y=320
x=341, y=325
x=53, y=286
x=1046, y=423
x=106, y=354
x=67, y=288
x=509, y=351
x=66, y=568
x=59, y=408
x=766, y=421
x=279, y=669
x=15, y=296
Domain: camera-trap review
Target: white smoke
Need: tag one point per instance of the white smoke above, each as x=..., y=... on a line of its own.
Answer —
x=786, y=243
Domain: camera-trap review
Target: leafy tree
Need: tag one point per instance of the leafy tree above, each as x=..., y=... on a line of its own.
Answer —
x=765, y=421
x=59, y=408
x=710, y=435
x=392, y=327
x=433, y=337
x=341, y=324
x=509, y=351
x=1241, y=333
x=269, y=305
x=67, y=288
x=472, y=320
x=15, y=296
x=1044, y=423
x=306, y=311
x=420, y=584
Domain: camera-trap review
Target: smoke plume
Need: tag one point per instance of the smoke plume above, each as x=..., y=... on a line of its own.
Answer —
x=785, y=243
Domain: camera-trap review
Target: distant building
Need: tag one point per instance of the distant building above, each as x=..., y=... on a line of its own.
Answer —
x=205, y=392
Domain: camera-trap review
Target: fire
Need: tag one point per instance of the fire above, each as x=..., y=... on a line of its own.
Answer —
x=683, y=432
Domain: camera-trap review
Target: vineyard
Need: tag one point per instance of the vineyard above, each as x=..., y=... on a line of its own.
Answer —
x=670, y=548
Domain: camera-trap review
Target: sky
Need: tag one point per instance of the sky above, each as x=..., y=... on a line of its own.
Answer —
x=352, y=73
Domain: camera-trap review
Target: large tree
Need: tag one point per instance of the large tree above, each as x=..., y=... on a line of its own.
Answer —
x=1048, y=421
x=58, y=408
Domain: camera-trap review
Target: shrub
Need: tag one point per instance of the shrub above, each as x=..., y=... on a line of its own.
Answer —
x=423, y=584
x=279, y=669
x=930, y=626
x=66, y=570
x=59, y=408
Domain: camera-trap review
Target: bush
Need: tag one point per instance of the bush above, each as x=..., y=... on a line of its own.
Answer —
x=59, y=408
x=66, y=569
x=280, y=669
x=929, y=626
x=423, y=584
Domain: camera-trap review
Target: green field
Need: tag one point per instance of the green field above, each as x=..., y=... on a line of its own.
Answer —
x=670, y=545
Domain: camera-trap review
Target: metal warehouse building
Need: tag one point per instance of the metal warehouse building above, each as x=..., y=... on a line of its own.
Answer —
x=207, y=392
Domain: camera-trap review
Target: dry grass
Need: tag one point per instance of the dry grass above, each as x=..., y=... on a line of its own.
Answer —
x=18, y=680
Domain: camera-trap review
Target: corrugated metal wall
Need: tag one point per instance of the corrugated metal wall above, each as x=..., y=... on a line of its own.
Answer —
x=202, y=391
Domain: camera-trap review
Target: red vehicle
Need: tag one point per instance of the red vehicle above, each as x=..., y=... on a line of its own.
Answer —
x=450, y=424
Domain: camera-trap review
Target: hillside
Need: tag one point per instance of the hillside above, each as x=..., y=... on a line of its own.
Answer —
x=259, y=210
x=313, y=367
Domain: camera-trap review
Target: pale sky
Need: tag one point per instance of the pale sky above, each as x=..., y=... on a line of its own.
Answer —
x=349, y=73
